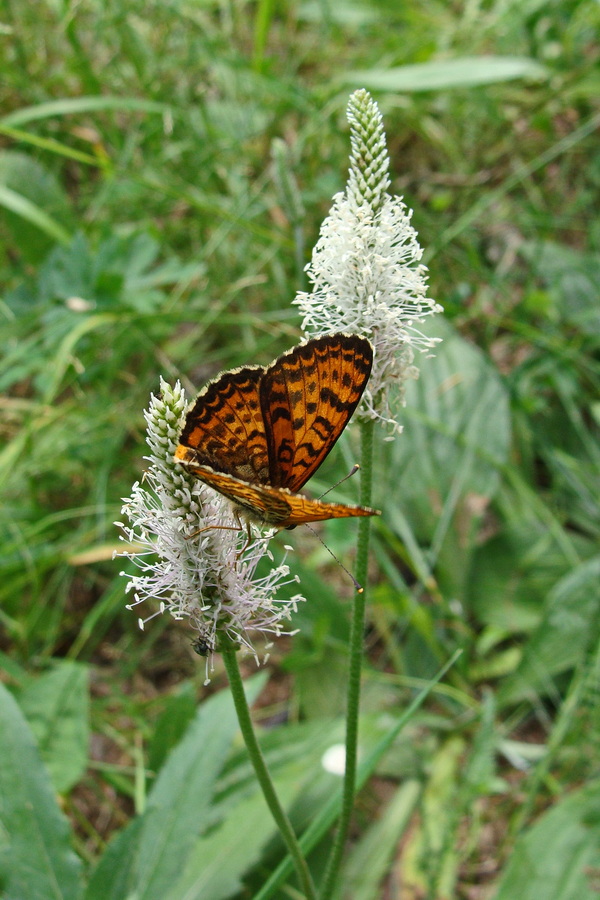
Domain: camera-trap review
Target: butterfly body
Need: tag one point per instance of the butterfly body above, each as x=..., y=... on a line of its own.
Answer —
x=257, y=434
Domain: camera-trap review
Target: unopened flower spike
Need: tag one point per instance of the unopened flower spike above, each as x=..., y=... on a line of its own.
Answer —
x=188, y=564
x=365, y=269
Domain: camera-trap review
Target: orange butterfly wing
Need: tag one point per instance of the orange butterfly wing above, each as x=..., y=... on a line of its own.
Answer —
x=224, y=428
x=307, y=397
x=276, y=507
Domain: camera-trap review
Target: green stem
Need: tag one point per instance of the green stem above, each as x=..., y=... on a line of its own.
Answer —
x=356, y=656
x=229, y=654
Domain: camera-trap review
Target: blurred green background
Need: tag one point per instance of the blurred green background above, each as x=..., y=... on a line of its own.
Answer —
x=146, y=230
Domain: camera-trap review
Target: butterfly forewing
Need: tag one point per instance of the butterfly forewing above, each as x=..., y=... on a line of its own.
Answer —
x=224, y=427
x=307, y=398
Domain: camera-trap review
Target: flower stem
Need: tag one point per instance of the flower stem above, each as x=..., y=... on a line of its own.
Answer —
x=356, y=656
x=229, y=654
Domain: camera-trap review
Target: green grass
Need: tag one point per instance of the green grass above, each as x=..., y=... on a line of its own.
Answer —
x=144, y=233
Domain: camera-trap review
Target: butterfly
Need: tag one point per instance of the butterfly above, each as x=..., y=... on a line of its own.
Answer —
x=257, y=434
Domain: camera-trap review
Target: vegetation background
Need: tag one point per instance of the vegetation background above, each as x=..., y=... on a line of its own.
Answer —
x=146, y=230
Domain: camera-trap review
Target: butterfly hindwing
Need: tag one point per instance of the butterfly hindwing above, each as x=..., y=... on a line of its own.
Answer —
x=261, y=503
x=273, y=506
x=307, y=397
x=303, y=510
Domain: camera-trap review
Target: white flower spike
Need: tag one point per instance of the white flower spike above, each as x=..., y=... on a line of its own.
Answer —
x=190, y=565
x=365, y=268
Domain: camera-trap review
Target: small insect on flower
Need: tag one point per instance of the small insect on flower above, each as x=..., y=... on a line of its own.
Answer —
x=258, y=434
x=201, y=646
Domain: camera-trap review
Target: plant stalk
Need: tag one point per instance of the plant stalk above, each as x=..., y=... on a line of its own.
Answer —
x=356, y=656
x=257, y=759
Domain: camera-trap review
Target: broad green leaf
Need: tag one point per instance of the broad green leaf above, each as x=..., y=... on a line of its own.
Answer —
x=36, y=859
x=34, y=209
x=148, y=858
x=320, y=622
x=320, y=684
x=573, y=277
x=300, y=743
x=467, y=71
x=348, y=14
x=112, y=878
x=564, y=635
x=446, y=464
x=179, y=711
x=456, y=424
x=57, y=708
x=12, y=669
x=558, y=858
x=218, y=861
x=509, y=581
x=371, y=857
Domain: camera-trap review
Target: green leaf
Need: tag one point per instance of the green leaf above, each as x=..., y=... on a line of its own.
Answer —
x=57, y=708
x=36, y=860
x=31, y=213
x=121, y=273
x=28, y=137
x=448, y=460
x=148, y=858
x=113, y=877
x=179, y=711
x=508, y=582
x=456, y=423
x=467, y=71
x=36, y=211
x=74, y=105
x=217, y=863
x=573, y=276
x=320, y=686
x=559, y=857
x=347, y=14
x=569, y=624
x=371, y=857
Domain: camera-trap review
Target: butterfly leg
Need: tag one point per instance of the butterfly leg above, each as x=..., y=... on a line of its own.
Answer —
x=243, y=526
x=212, y=528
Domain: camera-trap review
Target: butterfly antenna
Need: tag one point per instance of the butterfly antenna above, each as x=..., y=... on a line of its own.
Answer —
x=357, y=587
x=352, y=472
